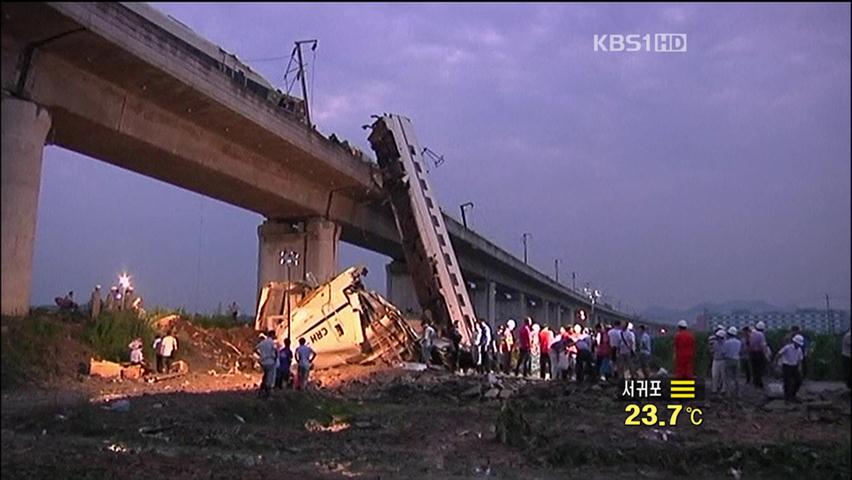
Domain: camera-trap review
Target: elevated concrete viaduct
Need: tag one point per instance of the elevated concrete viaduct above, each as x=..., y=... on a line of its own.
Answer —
x=127, y=85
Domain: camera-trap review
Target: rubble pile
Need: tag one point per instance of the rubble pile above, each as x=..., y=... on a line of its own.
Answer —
x=227, y=350
x=434, y=383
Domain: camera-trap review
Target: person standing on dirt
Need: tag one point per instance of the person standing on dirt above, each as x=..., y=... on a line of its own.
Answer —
x=745, y=362
x=717, y=370
x=95, y=303
x=790, y=357
x=626, y=352
x=268, y=358
x=475, y=352
x=795, y=330
x=168, y=347
x=614, y=334
x=603, y=354
x=285, y=359
x=427, y=342
x=757, y=353
x=456, y=338
x=524, y=365
x=583, y=343
x=485, y=341
x=545, y=338
x=305, y=356
x=644, y=351
x=684, y=352
x=731, y=352
x=158, y=352
x=507, y=345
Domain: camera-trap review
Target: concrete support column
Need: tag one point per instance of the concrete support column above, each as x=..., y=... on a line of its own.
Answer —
x=316, y=241
x=522, y=306
x=491, y=311
x=400, y=288
x=24, y=129
x=558, y=315
x=545, y=320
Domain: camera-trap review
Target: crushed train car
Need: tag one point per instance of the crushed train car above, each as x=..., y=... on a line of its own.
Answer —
x=342, y=320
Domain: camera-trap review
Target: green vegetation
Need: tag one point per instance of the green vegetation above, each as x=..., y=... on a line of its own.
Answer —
x=824, y=361
x=110, y=334
x=23, y=354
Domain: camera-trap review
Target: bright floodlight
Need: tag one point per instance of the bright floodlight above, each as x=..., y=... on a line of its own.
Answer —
x=124, y=280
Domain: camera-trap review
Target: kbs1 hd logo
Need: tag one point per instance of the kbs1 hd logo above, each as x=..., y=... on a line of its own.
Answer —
x=634, y=42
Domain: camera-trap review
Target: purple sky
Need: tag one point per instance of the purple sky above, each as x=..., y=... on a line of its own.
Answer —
x=669, y=179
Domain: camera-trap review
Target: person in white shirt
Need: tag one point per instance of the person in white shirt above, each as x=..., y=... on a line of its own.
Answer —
x=135, y=346
x=268, y=354
x=717, y=369
x=168, y=346
x=614, y=334
x=626, y=350
x=485, y=345
x=427, y=342
x=304, y=358
x=790, y=357
x=731, y=352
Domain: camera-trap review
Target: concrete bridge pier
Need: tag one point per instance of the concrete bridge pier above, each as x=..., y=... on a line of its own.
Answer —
x=400, y=288
x=24, y=129
x=484, y=298
x=316, y=240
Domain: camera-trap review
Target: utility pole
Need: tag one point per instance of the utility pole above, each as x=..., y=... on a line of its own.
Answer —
x=302, y=77
x=525, y=236
x=828, y=315
x=573, y=280
x=556, y=265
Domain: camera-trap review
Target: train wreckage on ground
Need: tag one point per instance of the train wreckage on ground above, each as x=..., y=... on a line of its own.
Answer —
x=346, y=323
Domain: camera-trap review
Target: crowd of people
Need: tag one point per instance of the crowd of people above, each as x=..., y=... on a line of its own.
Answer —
x=117, y=299
x=530, y=349
x=616, y=351
x=276, y=360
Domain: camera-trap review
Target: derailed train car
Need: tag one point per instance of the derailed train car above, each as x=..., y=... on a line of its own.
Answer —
x=342, y=320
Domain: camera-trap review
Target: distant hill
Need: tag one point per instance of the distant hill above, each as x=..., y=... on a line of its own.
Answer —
x=670, y=315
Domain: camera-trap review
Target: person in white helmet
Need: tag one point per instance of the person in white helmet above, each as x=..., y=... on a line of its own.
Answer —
x=790, y=357
x=718, y=366
x=731, y=351
x=712, y=341
x=757, y=353
x=112, y=299
x=684, y=352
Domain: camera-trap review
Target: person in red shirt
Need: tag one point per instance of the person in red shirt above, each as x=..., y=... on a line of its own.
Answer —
x=545, y=338
x=524, y=361
x=684, y=352
x=603, y=353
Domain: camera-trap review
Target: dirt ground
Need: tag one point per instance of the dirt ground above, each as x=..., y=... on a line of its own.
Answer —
x=383, y=421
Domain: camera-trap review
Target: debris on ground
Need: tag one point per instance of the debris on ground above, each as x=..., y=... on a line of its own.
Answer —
x=103, y=368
